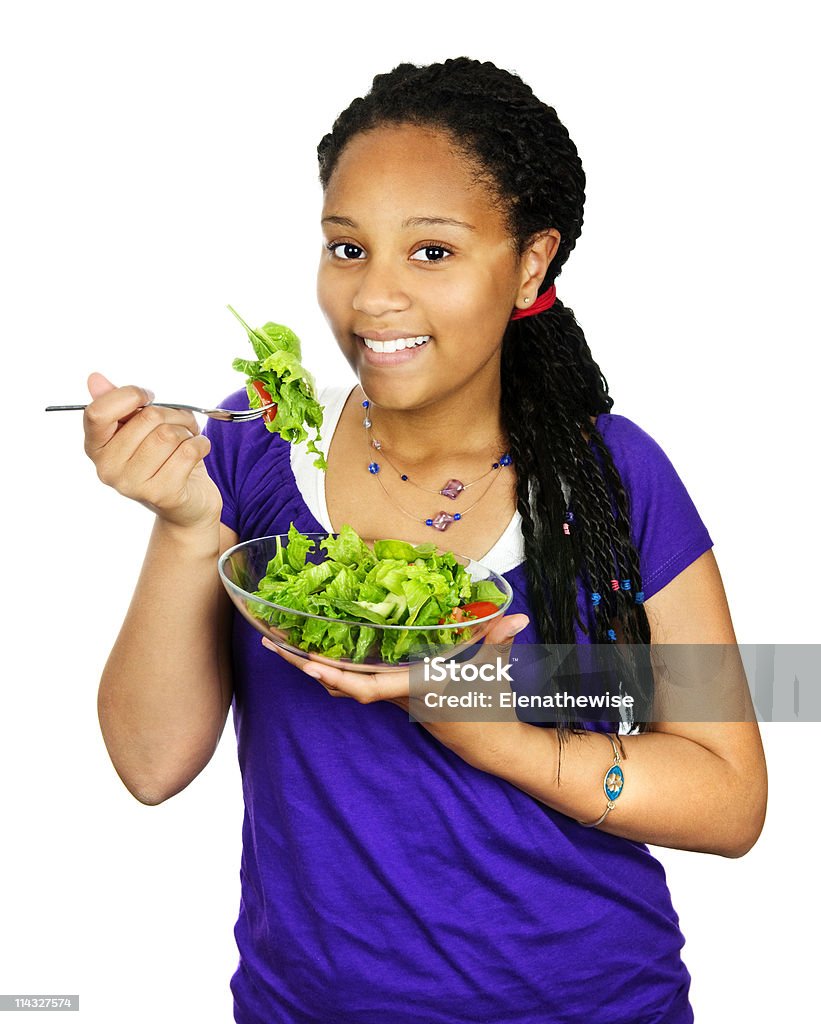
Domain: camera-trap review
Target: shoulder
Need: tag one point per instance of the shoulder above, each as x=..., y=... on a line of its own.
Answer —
x=626, y=437
x=259, y=473
x=246, y=461
x=639, y=458
x=665, y=524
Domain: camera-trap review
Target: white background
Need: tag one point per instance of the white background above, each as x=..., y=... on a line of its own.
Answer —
x=160, y=164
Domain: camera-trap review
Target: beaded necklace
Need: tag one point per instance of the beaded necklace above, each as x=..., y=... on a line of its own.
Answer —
x=452, y=489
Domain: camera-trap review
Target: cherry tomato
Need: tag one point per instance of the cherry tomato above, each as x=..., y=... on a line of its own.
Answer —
x=265, y=398
x=479, y=609
x=474, y=610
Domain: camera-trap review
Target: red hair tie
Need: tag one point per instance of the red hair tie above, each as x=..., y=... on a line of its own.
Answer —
x=544, y=301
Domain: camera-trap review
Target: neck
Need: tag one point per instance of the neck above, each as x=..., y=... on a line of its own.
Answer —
x=460, y=426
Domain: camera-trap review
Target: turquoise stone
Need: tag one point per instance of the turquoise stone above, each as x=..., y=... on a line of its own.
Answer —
x=614, y=782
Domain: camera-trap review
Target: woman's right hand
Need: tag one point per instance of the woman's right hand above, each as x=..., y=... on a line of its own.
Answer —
x=150, y=454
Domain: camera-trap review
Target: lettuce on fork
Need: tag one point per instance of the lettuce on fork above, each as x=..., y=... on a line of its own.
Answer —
x=277, y=370
x=393, y=584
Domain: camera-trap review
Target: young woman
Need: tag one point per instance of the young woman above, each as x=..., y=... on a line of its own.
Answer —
x=439, y=872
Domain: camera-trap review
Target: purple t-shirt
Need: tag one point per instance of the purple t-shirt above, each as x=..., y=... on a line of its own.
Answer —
x=385, y=879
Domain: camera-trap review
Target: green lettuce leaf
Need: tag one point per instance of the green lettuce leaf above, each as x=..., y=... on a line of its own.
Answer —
x=353, y=583
x=279, y=370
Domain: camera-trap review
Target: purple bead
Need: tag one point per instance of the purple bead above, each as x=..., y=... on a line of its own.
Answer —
x=428, y=522
x=404, y=477
x=365, y=404
x=452, y=489
x=374, y=467
x=442, y=521
x=457, y=516
x=495, y=465
x=505, y=460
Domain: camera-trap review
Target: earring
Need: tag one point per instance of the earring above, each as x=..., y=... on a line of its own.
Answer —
x=526, y=300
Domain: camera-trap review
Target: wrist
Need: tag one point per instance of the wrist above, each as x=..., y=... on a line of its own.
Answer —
x=196, y=539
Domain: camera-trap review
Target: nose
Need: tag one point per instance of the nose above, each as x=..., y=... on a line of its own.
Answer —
x=380, y=291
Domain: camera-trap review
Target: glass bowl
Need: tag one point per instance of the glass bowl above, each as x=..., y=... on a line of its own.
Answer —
x=242, y=567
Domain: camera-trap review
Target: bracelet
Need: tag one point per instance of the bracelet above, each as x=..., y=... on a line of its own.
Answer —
x=613, y=785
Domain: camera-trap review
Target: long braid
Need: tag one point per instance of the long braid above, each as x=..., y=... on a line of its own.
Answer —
x=552, y=389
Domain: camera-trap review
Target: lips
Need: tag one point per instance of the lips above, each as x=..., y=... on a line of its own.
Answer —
x=395, y=344
x=392, y=350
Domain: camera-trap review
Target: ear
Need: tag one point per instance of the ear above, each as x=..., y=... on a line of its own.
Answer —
x=535, y=260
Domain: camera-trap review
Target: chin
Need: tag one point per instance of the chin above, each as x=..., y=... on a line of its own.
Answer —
x=395, y=394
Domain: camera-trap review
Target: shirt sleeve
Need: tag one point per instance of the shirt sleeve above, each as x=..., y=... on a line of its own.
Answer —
x=223, y=459
x=666, y=528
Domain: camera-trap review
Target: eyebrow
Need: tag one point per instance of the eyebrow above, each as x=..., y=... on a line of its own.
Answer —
x=411, y=222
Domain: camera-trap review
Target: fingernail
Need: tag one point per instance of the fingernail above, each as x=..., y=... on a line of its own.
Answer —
x=517, y=629
x=312, y=671
x=150, y=393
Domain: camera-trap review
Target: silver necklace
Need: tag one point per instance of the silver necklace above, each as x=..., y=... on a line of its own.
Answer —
x=452, y=489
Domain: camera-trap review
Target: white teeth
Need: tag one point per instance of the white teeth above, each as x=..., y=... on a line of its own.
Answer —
x=396, y=346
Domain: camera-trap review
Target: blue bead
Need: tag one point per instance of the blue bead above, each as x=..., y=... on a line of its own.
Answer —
x=365, y=404
x=374, y=467
x=611, y=634
x=640, y=597
x=404, y=477
x=457, y=515
x=505, y=460
x=495, y=465
x=596, y=598
x=428, y=522
x=626, y=584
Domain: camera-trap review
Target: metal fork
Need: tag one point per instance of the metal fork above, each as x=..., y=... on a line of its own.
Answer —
x=228, y=415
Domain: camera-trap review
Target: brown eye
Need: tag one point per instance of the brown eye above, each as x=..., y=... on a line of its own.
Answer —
x=346, y=251
x=431, y=254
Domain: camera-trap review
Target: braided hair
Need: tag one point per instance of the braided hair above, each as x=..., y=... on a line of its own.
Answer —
x=574, y=508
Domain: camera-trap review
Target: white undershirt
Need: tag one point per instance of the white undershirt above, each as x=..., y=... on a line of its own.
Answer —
x=506, y=553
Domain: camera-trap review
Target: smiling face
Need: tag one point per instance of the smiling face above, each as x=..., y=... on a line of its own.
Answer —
x=419, y=260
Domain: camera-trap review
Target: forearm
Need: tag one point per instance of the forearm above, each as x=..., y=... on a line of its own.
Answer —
x=166, y=688
x=677, y=793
